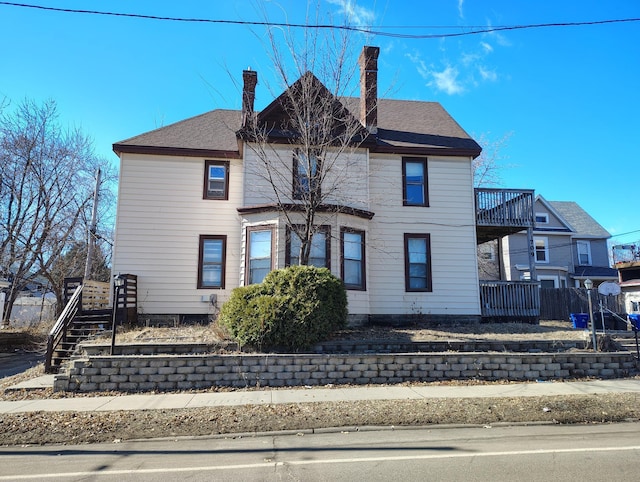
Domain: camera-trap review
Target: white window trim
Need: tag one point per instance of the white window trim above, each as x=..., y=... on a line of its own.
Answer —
x=542, y=215
x=588, y=245
x=556, y=281
x=545, y=240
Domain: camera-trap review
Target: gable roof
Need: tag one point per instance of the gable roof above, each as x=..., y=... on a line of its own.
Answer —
x=404, y=127
x=210, y=134
x=276, y=114
x=579, y=220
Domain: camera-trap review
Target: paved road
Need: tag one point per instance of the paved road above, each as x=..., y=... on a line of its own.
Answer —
x=534, y=453
x=17, y=362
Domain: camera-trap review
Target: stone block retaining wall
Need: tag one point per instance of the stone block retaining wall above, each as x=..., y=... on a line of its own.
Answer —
x=173, y=372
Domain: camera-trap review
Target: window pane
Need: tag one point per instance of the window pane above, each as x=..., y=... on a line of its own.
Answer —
x=417, y=250
x=417, y=263
x=353, y=257
x=259, y=255
x=212, y=251
x=212, y=263
x=415, y=172
x=414, y=183
x=352, y=248
x=415, y=194
x=318, y=253
x=212, y=276
x=260, y=244
x=216, y=184
x=352, y=272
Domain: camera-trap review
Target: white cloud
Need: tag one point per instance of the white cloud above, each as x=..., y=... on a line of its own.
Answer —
x=420, y=65
x=460, y=10
x=487, y=74
x=447, y=81
x=497, y=36
x=486, y=47
x=355, y=13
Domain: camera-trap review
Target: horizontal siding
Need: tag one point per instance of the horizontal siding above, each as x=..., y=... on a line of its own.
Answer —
x=161, y=215
x=345, y=183
x=449, y=220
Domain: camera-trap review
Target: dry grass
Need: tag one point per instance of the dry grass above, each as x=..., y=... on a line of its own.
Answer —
x=213, y=333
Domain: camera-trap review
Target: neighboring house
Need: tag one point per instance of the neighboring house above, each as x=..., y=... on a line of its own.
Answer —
x=569, y=246
x=626, y=258
x=194, y=221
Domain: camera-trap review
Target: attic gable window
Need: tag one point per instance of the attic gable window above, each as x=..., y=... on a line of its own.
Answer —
x=415, y=190
x=216, y=180
x=306, y=175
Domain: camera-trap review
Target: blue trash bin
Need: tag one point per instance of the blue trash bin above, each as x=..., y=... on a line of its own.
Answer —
x=579, y=320
x=635, y=321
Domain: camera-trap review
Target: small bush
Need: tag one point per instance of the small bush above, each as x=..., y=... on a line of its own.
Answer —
x=292, y=309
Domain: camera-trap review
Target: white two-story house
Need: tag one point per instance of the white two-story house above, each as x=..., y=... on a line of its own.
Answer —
x=195, y=220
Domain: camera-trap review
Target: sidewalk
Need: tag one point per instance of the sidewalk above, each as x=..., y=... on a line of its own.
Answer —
x=316, y=394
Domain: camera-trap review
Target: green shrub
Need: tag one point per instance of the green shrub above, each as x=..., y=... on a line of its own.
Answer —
x=292, y=309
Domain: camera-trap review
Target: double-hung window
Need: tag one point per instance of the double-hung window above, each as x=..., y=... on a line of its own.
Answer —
x=542, y=250
x=584, y=253
x=415, y=190
x=319, y=254
x=260, y=254
x=417, y=262
x=353, y=260
x=211, y=263
x=306, y=175
x=216, y=180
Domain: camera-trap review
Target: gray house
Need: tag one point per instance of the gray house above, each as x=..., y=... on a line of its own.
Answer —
x=569, y=247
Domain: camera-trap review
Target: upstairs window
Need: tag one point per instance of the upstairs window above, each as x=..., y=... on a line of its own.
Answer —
x=542, y=250
x=216, y=180
x=306, y=175
x=542, y=218
x=584, y=253
x=353, y=267
x=260, y=254
x=414, y=181
x=417, y=264
x=320, y=248
x=211, y=263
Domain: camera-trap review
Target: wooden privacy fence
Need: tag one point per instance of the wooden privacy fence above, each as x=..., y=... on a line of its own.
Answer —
x=559, y=303
x=510, y=301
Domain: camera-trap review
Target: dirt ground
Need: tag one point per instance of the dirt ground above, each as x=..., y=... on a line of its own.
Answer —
x=80, y=427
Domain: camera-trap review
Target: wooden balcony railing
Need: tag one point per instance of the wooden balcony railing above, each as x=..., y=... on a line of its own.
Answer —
x=500, y=212
x=510, y=301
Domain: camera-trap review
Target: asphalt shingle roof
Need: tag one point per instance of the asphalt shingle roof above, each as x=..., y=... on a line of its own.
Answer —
x=579, y=220
x=403, y=126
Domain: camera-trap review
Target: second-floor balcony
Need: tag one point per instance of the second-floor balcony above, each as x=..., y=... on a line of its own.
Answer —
x=500, y=212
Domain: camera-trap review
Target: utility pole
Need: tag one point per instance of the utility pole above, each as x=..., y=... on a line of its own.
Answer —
x=92, y=228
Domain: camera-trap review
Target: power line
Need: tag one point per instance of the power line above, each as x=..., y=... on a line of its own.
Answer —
x=467, y=30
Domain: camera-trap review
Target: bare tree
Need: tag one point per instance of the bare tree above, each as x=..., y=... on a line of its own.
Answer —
x=487, y=167
x=314, y=116
x=46, y=186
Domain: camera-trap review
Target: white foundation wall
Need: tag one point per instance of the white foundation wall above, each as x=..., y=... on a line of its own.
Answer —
x=160, y=215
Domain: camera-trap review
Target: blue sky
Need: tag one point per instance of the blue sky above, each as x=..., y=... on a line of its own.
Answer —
x=566, y=97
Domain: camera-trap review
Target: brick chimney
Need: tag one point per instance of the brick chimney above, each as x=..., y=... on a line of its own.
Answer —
x=250, y=80
x=369, y=88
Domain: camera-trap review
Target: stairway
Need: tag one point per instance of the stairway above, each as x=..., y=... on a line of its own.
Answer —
x=84, y=326
x=626, y=341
